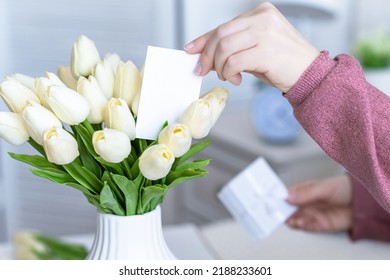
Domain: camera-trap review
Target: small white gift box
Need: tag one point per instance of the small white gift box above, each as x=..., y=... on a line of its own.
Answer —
x=256, y=198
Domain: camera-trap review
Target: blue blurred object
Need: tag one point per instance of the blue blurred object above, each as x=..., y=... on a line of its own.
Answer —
x=272, y=117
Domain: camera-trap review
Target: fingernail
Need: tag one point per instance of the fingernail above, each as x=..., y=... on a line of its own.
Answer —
x=198, y=68
x=189, y=46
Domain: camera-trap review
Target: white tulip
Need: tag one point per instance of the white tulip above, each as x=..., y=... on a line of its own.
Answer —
x=119, y=117
x=84, y=57
x=217, y=97
x=113, y=59
x=177, y=137
x=60, y=146
x=112, y=145
x=199, y=118
x=69, y=106
x=16, y=95
x=91, y=91
x=38, y=119
x=25, y=80
x=156, y=162
x=135, y=103
x=12, y=128
x=42, y=85
x=127, y=82
x=65, y=75
x=105, y=78
x=25, y=244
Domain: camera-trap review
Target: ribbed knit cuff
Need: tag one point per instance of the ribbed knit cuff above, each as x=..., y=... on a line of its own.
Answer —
x=311, y=78
x=369, y=219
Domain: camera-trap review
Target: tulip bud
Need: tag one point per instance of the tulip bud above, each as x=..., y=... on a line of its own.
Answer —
x=127, y=82
x=16, y=95
x=69, y=106
x=105, y=78
x=199, y=118
x=38, y=119
x=12, y=128
x=43, y=83
x=25, y=80
x=217, y=97
x=91, y=91
x=112, y=145
x=65, y=75
x=84, y=57
x=177, y=137
x=156, y=162
x=135, y=104
x=113, y=59
x=60, y=146
x=119, y=117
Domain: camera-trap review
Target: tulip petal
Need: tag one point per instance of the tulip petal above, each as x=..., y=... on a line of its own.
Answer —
x=12, y=128
x=156, y=162
x=60, y=146
x=112, y=145
x=69, y=106
x=177, y=137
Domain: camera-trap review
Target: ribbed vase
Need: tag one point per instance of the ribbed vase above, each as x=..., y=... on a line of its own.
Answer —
x=138, y=237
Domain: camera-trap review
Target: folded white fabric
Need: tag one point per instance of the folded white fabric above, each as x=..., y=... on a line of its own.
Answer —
x=256, y=198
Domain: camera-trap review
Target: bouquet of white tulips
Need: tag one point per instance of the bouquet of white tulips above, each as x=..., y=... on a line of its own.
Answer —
x=82, y=122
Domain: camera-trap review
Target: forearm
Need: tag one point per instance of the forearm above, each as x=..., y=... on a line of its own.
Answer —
x=348, y=118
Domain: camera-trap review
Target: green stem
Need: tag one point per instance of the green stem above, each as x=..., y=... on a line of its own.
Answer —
x=37, y=147
x=127, y=169
x=88, y=126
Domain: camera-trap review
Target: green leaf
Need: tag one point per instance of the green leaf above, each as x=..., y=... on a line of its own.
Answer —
x=107, y=177
x=135, y=171
x=152, y=192
x=36, y=161
x=127, y=169
x=175, y=178
x=109, y=201
x=87, y=160
x=130, y=191
x=57, y=249
x=196, y=148
x=94, y=200
x=81, y=188
x=86, y=137
x=109, y=166
x=54, y=175
x=196, y=164
x=83, y=176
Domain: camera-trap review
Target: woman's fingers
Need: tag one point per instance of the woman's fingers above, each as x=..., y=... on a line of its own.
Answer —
x=323, y=218
x=208, y=44
x=307, y=193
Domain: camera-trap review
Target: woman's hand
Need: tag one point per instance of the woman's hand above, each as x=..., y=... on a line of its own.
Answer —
x=261, y=42
x=323, y=205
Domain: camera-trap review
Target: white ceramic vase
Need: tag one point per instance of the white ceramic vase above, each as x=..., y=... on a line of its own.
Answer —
x=138, y=237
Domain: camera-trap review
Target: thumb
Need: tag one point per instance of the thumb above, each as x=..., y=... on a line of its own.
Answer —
x=198, y=45
x=307, y=192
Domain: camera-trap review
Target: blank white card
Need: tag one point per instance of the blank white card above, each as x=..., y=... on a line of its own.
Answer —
x=169, y=86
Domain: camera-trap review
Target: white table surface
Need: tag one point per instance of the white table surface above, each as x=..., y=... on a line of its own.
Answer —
x=185, y=241
x=230, y=241
x=227, y=240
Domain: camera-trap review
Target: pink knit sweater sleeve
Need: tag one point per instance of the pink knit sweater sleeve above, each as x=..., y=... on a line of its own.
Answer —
x=348, y=118
x=370, y=220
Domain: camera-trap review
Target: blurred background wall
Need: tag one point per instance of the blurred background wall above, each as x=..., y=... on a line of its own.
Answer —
x=37, y=36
